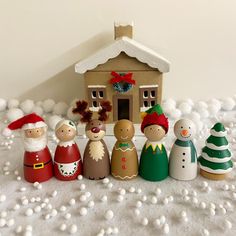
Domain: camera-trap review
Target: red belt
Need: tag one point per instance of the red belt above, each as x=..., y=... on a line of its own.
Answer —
x=39, y=165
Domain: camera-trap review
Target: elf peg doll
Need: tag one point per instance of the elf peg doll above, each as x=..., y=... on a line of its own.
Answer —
x=67, y=159
x=154, y=160
x=124, y=159
x=96, y=160
x=38, y=166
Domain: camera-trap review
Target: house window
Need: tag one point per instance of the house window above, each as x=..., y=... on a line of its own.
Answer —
x=147, y=96
x=95, y=95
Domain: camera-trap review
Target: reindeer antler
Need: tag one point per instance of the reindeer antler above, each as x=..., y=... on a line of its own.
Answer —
x=81, y=107
x=106, y=107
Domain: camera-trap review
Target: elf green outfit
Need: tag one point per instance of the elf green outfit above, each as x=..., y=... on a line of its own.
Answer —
x=154, y=161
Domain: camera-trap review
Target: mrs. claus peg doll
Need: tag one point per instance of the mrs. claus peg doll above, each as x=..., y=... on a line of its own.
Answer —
x=124, y=158
x=154, y=160
x=38, y=165
x=67, y=159
x=96, y=160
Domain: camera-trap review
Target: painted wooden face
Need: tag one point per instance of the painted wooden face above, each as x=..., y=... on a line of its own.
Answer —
x=35, y=133
x=154, y=133
x=124, y=130
x=65, y=133
x=184, y=129
x=95, y=130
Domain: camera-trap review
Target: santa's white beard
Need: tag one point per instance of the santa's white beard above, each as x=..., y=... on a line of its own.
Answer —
x=35, y=144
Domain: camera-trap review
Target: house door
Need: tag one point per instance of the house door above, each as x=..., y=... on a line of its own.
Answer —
x=122, y=107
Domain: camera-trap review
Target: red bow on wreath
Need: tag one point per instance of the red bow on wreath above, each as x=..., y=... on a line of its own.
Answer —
x=122, y=78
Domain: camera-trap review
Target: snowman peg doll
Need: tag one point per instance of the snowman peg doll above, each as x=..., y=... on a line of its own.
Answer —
x=183, y=155
x=67, y=159
x=96, y=160
x=38, y=165
x=154, y=160
x=124, y=158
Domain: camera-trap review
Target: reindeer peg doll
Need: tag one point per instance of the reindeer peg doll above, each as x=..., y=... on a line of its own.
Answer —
x=96, y=160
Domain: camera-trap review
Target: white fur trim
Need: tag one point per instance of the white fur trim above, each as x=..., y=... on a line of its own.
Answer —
x=65, y=122
x=66, y=144
x=218, y=134
x=214, y=147
x=219, y=171
x=39, y=124
x=215, y=159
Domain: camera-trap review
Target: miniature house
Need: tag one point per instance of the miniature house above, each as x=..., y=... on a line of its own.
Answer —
x=126, y=73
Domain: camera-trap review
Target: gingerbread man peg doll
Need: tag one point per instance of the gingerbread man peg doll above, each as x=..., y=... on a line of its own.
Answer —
x=124, y=159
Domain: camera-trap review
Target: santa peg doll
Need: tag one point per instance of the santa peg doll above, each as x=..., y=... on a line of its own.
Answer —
x=38, y=166
x=67, y=159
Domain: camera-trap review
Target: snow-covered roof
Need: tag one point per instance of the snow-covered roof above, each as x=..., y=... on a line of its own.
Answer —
x=128, y=46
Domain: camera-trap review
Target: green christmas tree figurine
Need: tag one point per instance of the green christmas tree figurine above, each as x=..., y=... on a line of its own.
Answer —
x=215, y=160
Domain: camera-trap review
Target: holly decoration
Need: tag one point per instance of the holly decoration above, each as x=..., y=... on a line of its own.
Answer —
x=216, y=157
x=122, y=82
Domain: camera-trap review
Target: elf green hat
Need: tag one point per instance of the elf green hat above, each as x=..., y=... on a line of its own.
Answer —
x=156, y=108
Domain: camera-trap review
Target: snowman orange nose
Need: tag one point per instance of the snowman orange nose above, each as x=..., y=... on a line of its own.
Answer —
x=184, y=132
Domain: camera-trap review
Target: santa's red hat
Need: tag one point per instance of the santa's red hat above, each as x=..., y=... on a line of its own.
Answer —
x=30, y=121
x=155, y=116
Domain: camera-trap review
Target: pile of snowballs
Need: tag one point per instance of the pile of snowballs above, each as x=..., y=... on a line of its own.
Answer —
x=53, y=112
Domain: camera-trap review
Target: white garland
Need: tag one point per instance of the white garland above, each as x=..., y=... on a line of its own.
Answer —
x=215, y=159
x=218, y=134
x=214, y=147
x=219, y=171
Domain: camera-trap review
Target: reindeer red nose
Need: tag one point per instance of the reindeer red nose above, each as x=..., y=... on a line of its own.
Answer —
x=95, y=129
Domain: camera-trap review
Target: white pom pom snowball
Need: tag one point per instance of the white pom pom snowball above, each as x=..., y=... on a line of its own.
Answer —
x=200, y=105
x=71, y=115
x=48, y=105
x=228, y=104
x=27, y=106
x=215, y=102
x=53, y=120
x=60, y=108
x=169, y=105
x=3, y=104
x=185, y=107
x=194, y=116
x=13, y=103
x=175, y=114
x=38, y=110
x=14, y=114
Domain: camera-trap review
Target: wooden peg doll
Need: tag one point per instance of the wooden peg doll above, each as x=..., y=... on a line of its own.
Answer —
x=96, y=160
x=154, y=160
x=183, y=155
x=124, y=159
x=38, y=166
x=215, y=160
x=67, y=159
